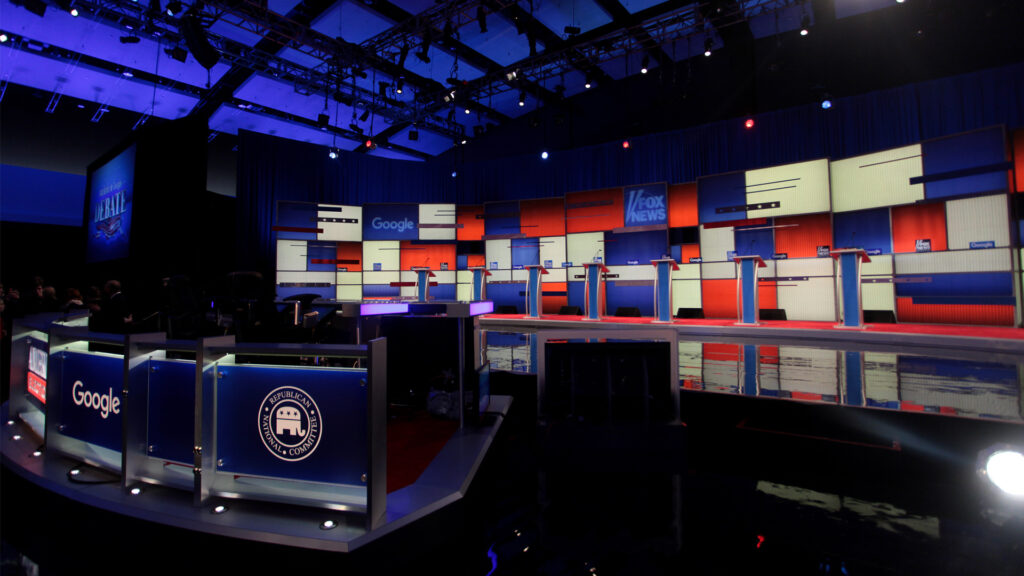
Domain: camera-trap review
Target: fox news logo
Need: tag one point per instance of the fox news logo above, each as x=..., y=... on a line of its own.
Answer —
x=644, y=207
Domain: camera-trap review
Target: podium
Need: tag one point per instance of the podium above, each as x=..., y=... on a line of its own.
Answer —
x=533, y=293
x=849, y=260
x=479, y=283
x=746, y=291
x=592, y=289
x=423, y=276
x=663, y=268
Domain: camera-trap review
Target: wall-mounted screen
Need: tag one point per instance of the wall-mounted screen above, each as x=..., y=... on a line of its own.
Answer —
x=109, y=208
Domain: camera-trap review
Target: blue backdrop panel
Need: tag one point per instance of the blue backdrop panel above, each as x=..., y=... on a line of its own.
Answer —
x=508, y=295
x=338, y=407
x=945, y=159
x=299, y=215
x=505, y=339
x=759, y=240
x=868, y=229
x=321, y=251
x=635, y=247
x=854, y=383
x=525, y=252
x=445, y=292
x=391, y=222
x=641, y=297
x=963, y=372
x=724, y=191
x=960, y=288
x=380, y=291
x=95, y=381
x=325, y=292
x=501, y=218
x=172, y=397
x=577, y=294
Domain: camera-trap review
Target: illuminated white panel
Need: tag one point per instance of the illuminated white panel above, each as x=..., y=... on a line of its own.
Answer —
x=880, y=265
x=555, y=275
x=465, y=276
x=291, y=255
x=407, y=291
x=522, y=276
x=800, y=188
x=444, y=276
x=383, y=252
x=380, y=277
x=982, y=219
x=685, y=294
x=769, y=270
x=718, y=270
x=636, y=272
x=580, y=248
x=687, y=272
x=809, y=370
x=576, y=274
x=716, y=243
x=329, y=219
x=350, y=278
x=878, y=297
x=499, y=251
x=811, y=299
x=691, y=360
x=284, y=277
x=876, y=180
x=767, y=375
x=499, y=276
x=437, y=214
x=881, y=383
x=349, y=292
x=552, y=248
x=804, y=267
x=464, y=292
x=997, y=260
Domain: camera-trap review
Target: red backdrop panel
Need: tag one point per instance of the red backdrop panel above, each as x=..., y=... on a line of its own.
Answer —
x=682, y=205
x=800, y=236
x=688, y=251
x=719, y=298
x=722, y=352
x=993, y=314
x=476, y=260
x=1018, y=158
x=545, y=217
x=593, y=211
x=431, y=255
x=767, y=295
x=552, y=304
x=918, y=221
x=351, y=251
x=470, y=227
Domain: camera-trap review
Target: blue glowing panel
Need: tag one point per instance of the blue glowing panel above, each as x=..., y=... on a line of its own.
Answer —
x=501, y=218
x=41, y=196
x=92, y=85
x=443, y=293
x=583, y=13
x=867, y=229
x=626, y=65
x=635, y=247
x=722, y=198
x=428, y=142
x=282, y=7
x=290, y=422
x=296, y=215
x=577, y=294
x=779, y=21
x=235, y=33
x=501, y=43
x=322, y=292
x=109, y=213
x=511, y=294
x=634, y=6
x=90, y=396
x=964, y=372
x=321, y=251
x=961, y=288
x=172, y=402
x=393, y=155
x=525, y=252
x=391, y=221
x=352, y=21
x=759, y=240
x=371, y=291
x=230, y=120
x=961, y=165
x=61, y=29
x=300, y=58
x=845, y=8
x=440, y=66
x=628, y=296
x=282, y=96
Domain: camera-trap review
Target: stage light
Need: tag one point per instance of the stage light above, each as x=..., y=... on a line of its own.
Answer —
x=75, y=472
x=708, y=44
x=644, y=64
x=74, y=12
x=805, y=24
x=399, y=85
x=454, y=173
x=198, y=44
x=826, y=103
x=16, y=437
x=37, y=453
x=333, y=154
x=173, y=8
x=467, y=110
x=464, y=141
x=522, y=98
x=625, y=144
x=328, y=524
x=219, y=509
x=127, y=74
x=135, y=491
x=749, y=123
x=544, y=155
x=424, y=49
x=481, y=18
x=369, y=144
x=1005, y=468
x=3, y=38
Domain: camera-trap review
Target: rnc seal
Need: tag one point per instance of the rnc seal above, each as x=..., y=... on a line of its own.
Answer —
x=289, y=423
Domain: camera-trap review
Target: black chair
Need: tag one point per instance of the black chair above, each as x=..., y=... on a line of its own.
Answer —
x=627, y=312
x=879, y=317
x=690, y=313
x=772, y=314
x=570, y=311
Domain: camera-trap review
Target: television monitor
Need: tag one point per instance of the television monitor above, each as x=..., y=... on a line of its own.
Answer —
x=109, y=202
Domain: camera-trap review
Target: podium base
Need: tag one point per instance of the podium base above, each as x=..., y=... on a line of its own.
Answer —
x=656, y=321
x=845, y=327
x=746, y=324
x=589, y=319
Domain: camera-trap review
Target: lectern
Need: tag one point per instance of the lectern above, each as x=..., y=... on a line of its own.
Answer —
x=849, y=260
x=423, y=276
x=533, y=294
x=592, y=289
x=480, y=274
x=663, y=268
x=746, y=290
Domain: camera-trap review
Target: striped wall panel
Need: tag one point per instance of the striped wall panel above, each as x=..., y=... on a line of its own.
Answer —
x=876, y=180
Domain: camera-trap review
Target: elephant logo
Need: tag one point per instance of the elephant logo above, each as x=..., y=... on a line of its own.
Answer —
x=289, y=423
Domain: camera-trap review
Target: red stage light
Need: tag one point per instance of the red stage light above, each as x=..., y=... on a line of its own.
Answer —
x=369, y=143
x=625, y=144
x=749, y=123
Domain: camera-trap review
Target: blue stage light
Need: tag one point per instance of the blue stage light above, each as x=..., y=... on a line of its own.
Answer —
x=826, y=104
x=544, y=155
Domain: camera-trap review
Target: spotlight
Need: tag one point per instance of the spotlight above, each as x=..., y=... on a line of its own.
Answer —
x=173, y=8
x=127, y=74
x=74, y=12
x=219, y=509
x=749, y=123
x=826, y=103
x=135, y=491
x=369, y=144
x=464, y=141
x=399, y=85
x=328, y=524
x=644, y=63
x=522, y=98
x=177, y=53
x=708, y=44
x=3, y=38
x=588, y=84
x=805, y=24
x=625, y=144
x=481, y=18
x=129, y=40
x=333, y=154
x=467, y=110
x=454, y=173
x=544, y=155
x=1004, y=467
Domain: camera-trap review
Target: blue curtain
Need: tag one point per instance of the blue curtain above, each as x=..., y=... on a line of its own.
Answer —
x=271, y=169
